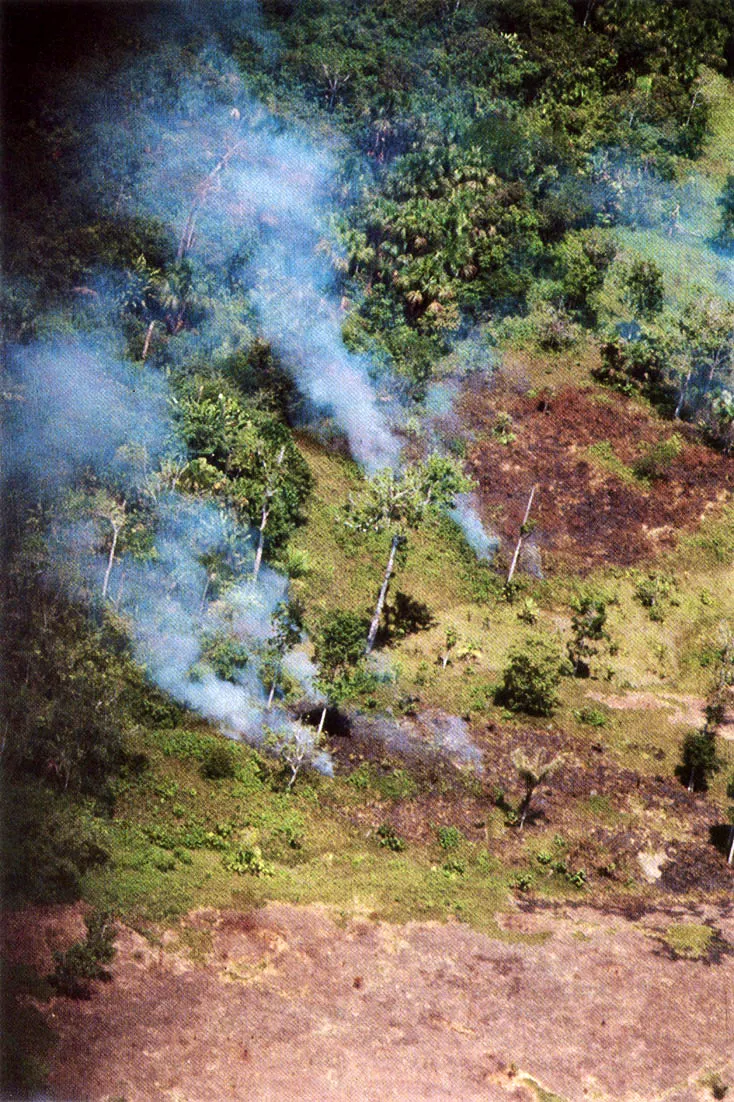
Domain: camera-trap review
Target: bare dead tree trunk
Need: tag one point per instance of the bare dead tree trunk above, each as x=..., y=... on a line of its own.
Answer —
x=730, y=858
x=187, y=235
x=272, y=693
x=682, y=396
x=263, y=522
x=372, y=635
x=322, y=721
x=516, y=556
x=261, y=541
x=116, y=527
x=148, y=336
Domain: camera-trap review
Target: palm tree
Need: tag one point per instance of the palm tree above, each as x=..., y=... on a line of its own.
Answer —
x=533, y=769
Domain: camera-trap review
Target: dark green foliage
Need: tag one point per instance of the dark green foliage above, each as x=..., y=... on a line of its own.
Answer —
x=85, y=960
x=226, y=655
x=218, y=761
x=583, y=259
x=388, y=838
x=246, y=454
x=644, y=287
x=725, y=201
x=48, y=841
x=656, y=461
x=587, y=625
x=449, y=837
x=637, y=366
x=700, y=760
x=532, y=676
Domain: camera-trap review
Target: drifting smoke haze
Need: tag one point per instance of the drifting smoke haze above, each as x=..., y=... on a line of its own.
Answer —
x=248, y=204
x=85, y=410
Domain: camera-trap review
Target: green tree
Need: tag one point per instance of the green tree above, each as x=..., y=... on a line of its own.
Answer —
x=397, y=503
x=287, y=624
x=263, y=473
x=700, y=759
x=644, y=288
x=531, y=677
x=584, y=257
x=587, y=625
x=338, y=650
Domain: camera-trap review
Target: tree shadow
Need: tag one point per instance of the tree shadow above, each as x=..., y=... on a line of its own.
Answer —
x=720, y=837
x=404, y=615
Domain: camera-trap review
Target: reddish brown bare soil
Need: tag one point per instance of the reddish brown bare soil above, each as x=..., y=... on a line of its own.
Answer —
x=585, y=514
x=285, y=1003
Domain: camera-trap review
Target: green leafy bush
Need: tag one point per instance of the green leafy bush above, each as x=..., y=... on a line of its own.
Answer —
x=218, y=761
x=531, y=677
x=84, y=960
x=387, y=837
x=449, y=837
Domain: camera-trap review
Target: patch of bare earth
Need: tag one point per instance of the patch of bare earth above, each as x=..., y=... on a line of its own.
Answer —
x=287, y=1003
x=586, y=515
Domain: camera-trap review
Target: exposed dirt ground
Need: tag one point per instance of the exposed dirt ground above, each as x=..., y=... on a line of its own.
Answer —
x=287, y=1003
x=586, y=515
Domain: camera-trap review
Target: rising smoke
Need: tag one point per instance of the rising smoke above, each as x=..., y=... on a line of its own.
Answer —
x=248, y=202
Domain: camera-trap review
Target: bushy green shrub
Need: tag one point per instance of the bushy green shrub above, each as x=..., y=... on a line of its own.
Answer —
x=531, y=677
x=449, y=837
x=218, y=761
x=84, y=960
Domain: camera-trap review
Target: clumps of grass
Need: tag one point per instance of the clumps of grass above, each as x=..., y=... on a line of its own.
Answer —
x=249, y=859
x=603, y=455
x=85, y=960
x=689, y=940
x=655, y=462
x=388, y=838
x=656, y=592
x=449, y=837
x=591, y=717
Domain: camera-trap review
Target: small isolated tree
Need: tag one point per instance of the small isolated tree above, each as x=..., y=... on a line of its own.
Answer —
x=338, y=649
x=532, y=676
x=108, y=508
x=85, y=960
x=397, y=503
x=644, y=288
x=700, y=760
x=287, y=625
x=533, y=769
x=451, y=638
x=295, y=747
x=587, y=625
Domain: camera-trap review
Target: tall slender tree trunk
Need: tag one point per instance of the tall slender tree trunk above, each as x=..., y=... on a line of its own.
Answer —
x=322, y=720
x=516, y=556
x=106, y=583
x=682, y=396
x=730, y=858
x=272, y=693
x=383, y=593
x=148, y=337
x=261, y=542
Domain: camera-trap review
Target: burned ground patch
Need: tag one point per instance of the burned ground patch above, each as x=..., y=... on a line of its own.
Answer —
x=297, y=1003
x=582, y=448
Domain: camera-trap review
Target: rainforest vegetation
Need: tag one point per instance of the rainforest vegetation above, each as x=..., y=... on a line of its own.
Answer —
x=368, y=400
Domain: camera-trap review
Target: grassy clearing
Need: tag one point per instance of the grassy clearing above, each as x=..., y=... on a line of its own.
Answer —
x=176, y=836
